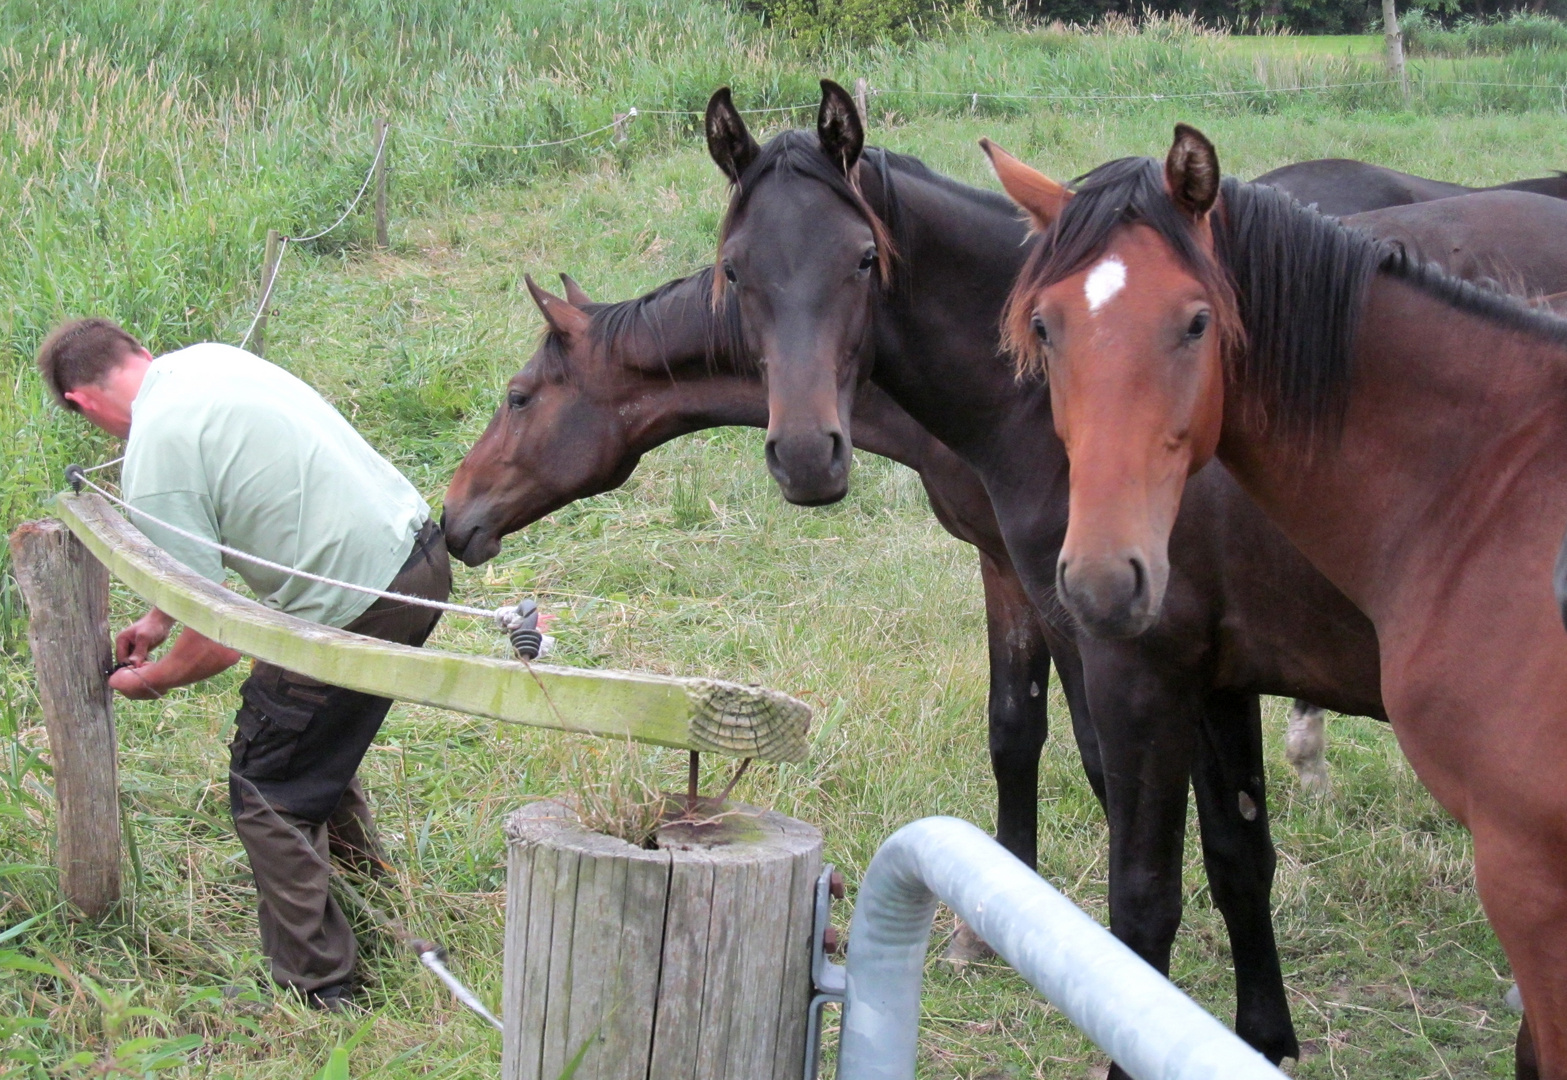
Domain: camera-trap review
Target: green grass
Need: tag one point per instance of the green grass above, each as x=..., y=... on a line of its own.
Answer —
x=144, y=192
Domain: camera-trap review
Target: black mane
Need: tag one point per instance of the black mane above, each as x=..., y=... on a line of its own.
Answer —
x=1298, y=282
x=617, y=326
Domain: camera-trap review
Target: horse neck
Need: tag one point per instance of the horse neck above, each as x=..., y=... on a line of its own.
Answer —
x=938, y=350
x=672, y=367
x=1454, y=430
x=938, y=356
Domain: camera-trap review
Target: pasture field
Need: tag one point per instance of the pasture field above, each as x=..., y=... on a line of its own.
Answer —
x=144, y=195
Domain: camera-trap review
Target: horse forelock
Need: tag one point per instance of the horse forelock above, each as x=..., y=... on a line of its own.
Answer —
x=798, y=153
x=1127, y=191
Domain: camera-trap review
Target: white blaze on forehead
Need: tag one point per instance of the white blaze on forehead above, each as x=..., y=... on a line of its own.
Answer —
x=1103, y=282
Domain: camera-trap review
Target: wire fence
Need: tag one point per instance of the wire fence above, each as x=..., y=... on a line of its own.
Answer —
x=618, y=128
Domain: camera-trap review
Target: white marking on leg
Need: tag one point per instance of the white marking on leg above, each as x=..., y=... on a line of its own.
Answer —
x=1305, y=744
x=1103, y=282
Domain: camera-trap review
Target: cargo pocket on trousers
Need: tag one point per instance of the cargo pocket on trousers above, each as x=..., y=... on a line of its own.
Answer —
x=278, y=707
x=263, y=748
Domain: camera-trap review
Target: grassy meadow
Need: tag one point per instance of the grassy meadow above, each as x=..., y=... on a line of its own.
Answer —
x=145, y=155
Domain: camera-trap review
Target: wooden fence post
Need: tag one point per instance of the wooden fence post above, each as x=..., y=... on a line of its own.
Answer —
x=269, y=267
x=862, y=96
x=67, y=594
x=381, y=135
x=689, y=959
x=1393, y=38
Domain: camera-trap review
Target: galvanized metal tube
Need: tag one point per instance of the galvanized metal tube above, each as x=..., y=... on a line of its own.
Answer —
x=1133, y=1013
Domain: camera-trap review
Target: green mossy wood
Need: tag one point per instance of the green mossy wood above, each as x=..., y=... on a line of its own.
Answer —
x=690, y=714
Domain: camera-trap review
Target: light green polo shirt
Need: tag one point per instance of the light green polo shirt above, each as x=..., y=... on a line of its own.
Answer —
x=234, y=449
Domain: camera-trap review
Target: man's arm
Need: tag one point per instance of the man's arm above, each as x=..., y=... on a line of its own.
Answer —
x=192, y=659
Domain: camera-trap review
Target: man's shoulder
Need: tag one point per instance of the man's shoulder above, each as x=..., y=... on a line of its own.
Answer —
x=213, y=376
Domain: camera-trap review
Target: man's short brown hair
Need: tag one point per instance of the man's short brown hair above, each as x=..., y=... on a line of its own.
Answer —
x=80, y=353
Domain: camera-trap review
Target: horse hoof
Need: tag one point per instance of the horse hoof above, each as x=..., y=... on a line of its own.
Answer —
x=966, y=947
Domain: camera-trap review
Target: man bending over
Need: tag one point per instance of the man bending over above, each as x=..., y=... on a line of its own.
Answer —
x=236, y=450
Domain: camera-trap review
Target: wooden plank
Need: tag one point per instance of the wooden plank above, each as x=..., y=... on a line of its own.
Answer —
x=691, y=714
x=67, y=593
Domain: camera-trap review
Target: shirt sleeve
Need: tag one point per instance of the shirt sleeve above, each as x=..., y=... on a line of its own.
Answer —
x=188, y=510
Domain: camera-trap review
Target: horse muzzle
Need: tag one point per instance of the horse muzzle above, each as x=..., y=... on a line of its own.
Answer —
x=470, y=542
x=811, y=469
x=1118, y=595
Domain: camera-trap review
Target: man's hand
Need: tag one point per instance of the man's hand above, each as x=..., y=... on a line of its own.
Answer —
x=192, y=659
x=136, y=642
x=130, y=682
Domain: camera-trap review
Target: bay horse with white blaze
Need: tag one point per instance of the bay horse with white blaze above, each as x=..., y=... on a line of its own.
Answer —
x=1405, y=429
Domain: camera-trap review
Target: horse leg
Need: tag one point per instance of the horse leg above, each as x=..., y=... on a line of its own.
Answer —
x=1019, y=681
x=1525, y=1065
x=1521, y=875
x=1239, y=857
x=1304, y=746
x=1147, y=727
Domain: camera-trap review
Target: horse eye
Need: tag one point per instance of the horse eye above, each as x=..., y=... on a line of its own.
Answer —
x=729, y=272
x=1199, y=325
x=1040, y=331
x=516, y=399
x=868, y=260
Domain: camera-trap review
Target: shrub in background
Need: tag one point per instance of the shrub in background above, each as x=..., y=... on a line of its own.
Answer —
x=1470, y=35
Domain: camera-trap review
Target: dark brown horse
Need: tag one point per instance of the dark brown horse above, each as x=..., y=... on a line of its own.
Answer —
x=1340, y=186
x=1408, y=432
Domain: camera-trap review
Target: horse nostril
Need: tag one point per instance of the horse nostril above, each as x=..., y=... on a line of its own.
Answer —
x=1139, y=578
x=840, y=448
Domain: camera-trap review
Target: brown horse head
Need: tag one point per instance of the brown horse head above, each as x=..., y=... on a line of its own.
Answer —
x=599, y=392
x=1124, y=309
x=802, y=269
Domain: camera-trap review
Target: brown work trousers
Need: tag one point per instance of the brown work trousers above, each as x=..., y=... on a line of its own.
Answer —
x=293, y=789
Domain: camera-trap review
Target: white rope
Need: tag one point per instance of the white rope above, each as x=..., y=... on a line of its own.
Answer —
x=266, y=293
x=503, y=616
x=526, y=146
x=974, y=97
x=284, y=241
x=380, y=148
x=746, y=112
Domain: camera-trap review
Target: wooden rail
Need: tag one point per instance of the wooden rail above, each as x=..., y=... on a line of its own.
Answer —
x=691, y=714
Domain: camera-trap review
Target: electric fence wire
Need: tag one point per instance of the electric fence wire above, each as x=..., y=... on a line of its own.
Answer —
x=501, y=616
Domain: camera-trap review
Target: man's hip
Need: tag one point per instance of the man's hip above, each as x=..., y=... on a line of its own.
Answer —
x=300, y=741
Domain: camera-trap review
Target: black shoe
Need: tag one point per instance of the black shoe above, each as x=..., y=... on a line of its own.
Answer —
x=334, y=998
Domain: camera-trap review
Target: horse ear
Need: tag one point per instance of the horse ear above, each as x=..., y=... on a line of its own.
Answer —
x=838, y=126
x=564, y=318
x=1041, y=197
x=1191, y=172
x=728, y=141
x=575, y=295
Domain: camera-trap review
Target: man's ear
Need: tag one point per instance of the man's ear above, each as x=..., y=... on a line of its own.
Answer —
x=1191, y=172
x=839, y=129
x=728, y=141
x=1035, y=193
x=563, y=317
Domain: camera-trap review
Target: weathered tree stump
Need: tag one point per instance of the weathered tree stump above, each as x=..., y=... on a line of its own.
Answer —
x=67, y=593
x=688, y=961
